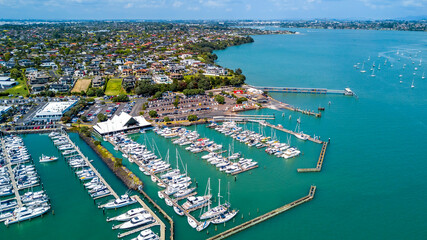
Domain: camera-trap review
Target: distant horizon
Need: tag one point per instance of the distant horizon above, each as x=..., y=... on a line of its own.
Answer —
x=409, y=18
x=170, y=10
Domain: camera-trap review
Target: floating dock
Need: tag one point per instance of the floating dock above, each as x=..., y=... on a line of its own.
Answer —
x=158, y=222
x=266, y=216
x=112, y=192
x=11, y=174
x=290, y=132
x=318, y=167
x=145, y=194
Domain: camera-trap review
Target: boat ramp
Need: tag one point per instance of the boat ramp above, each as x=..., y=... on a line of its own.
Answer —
x=266, y=216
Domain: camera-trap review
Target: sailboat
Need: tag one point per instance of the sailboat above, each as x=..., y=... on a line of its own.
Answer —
x=299, y=134
x=363, y=68
x=379, y=66
x=214, y=212
x=224, y=217
x=412, y=86
x=423, y=76
x=373, y=73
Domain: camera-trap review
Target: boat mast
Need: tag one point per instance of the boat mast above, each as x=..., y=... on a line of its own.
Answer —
x=228, y=192
x=219, y=192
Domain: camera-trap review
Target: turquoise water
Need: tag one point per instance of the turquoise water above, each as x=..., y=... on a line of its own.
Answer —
x=372, y=185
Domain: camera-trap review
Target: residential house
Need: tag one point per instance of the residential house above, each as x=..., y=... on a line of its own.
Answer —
x=59, y=87
x=129, y=82
x=39, y=78
x=98, y=82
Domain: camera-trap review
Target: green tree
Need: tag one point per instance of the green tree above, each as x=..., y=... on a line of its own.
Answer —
x=241, y=100
x=83, y=118
x=101, y=117
x=166, y=119
x=15, y=73
x=176, y=102
x=192, y=118
x=118, y=162
x=153, y=113
x=220, y=99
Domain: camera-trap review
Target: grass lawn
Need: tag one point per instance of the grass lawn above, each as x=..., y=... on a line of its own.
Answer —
x=18, y=90
x=114, y=87
x=81, y=85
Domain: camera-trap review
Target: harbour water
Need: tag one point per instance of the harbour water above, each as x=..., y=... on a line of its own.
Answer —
x=372, y=184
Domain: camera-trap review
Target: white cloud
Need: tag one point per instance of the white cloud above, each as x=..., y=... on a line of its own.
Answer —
x=177, y=4
x=412, y=3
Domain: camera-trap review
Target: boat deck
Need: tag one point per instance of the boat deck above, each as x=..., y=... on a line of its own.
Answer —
x=266, y=216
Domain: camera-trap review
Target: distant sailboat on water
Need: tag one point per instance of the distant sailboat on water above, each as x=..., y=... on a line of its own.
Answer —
x=363, y=68
x=412, y=86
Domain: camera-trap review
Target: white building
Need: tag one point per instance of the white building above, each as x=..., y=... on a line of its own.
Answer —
x=161, y=79
x=121, y=123
x=53, y=111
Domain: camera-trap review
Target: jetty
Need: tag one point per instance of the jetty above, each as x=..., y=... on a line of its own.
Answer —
x=266, y=216
x=158, y=222
x=318, y=167
x=11, y=174
x=289, y=131
x=243, y=118
x=346, y=91
x=112, y=192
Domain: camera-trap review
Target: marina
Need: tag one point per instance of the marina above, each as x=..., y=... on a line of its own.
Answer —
x=172, y=188
x=266, y=216
x=78, y=153
x=16, y=175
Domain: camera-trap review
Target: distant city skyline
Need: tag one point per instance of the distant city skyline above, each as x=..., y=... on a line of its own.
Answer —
x=211, y=9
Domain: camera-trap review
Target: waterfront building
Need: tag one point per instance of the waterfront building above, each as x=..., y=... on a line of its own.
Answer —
x=53, y=111
x=121, y=123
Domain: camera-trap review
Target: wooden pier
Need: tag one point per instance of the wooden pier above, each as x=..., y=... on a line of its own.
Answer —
x=112, y=192
x=266, y=216
x=11, y=174
x=158, y=222
x=318, y=167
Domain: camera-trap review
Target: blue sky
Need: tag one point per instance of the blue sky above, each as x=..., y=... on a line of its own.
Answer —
x=210, y=9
